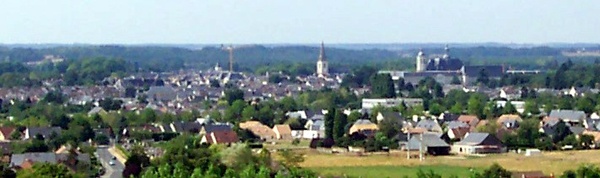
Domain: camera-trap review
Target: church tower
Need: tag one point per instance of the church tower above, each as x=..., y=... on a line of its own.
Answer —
x=322, y=67
x=421, y=65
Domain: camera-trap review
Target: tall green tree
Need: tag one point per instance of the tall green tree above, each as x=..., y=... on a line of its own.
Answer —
x=339, y=123
x=382, y=86
x=329, y=123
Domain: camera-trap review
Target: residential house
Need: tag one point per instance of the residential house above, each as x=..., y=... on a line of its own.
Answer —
x=220, y=137
x=364, y=126
x=262, y=131
x=456, y=124
x=510, y=93
x=430, y=143
x=282, y=131
x=388, y=116
x=470, y=120
x=430, y=125
x=458, y=133
x=573, y=117
x=96, y=110
x=448, y=117
x=216, y=127
x=519, y=105
x=5, y=133
x=509, y=121
x=314, y=129
x=478, y=143
x=45, y=132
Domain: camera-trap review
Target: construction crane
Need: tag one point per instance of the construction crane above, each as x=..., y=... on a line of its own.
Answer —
x=230, y=49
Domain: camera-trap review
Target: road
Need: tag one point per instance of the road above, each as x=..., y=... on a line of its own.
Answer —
x=104, y=156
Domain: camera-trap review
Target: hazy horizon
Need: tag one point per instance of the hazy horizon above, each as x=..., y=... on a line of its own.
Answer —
x=139, y=22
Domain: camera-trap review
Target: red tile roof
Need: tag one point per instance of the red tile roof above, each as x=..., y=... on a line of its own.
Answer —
x=222, y=137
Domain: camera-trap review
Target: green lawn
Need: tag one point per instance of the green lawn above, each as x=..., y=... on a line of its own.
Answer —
x=393, y=171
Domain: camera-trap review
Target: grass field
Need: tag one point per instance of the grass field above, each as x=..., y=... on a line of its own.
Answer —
x=393, y=171
x=549, y=162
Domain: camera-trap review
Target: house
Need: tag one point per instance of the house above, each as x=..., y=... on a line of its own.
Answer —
x=96, y=110
x=478, y=143
x=262, y=131
x=569, y=116
x=282, y=132
x=456, y=124
x=45, y=132
x=364, y=126
x=430, y=143
x=5, y=133
x=220, y=137
x=448, y=117
x=470, y=120
x=429, y=125
x=458, y=133
x=388, y=116
x=510, y=93
x=509, y=121
x=26, y=160
x=207, y=129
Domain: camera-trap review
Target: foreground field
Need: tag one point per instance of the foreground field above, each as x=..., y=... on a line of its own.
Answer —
x=549, y=162
x=393, y=171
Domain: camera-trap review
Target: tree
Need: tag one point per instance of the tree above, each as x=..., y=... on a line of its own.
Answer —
x=390, y=127
x=130, y=92
x=585, y=104
x=455, y=81
x=135, y=162
x=102, y=139
x=266, y=115
x=339, y=123
x=249, y=112
x=382, y=86
x=237, y=156
x=531, y=107
x=329, y=123
x=494, y=171
x=509, y=108
x=234, y=112
x=436, y=109
x=290, y=158
x=528, y=133
x=476, y=105
x=231, y=95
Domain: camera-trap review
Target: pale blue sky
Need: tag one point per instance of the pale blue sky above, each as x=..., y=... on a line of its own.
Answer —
x=298, y=21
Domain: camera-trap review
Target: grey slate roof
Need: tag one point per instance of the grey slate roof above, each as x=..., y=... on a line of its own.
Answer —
x=477, y=138
x=568, y=115
x=392, y=115
x=429, y=140
x=44, y=131
x=362, y=122
x=576, y=130
x=428, y=124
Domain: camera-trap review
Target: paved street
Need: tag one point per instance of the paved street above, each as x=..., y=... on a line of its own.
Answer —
x=104, y=156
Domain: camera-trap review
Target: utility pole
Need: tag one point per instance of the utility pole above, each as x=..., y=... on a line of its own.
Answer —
x=421, y=147
x=408, y=146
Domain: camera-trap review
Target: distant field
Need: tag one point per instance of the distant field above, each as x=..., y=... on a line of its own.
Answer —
x=393, y=171
x=549, y=162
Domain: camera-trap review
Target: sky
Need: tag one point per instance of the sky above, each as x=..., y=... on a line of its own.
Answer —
x=298, y=21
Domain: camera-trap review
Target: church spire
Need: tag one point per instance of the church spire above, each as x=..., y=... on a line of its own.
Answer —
x=322, y=56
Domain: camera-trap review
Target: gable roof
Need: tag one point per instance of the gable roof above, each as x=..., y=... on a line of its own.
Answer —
x=222, y=137
x=568, y=115
x=478, y=138
x=7, y=130
x=472, y=120
x=509, y=118
x=283, y=129
x=456, y=124
x=428, y=124
x=216, y=127
x=460, y=132
x=44, y=131
x=429, y=140
x=391, y=115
